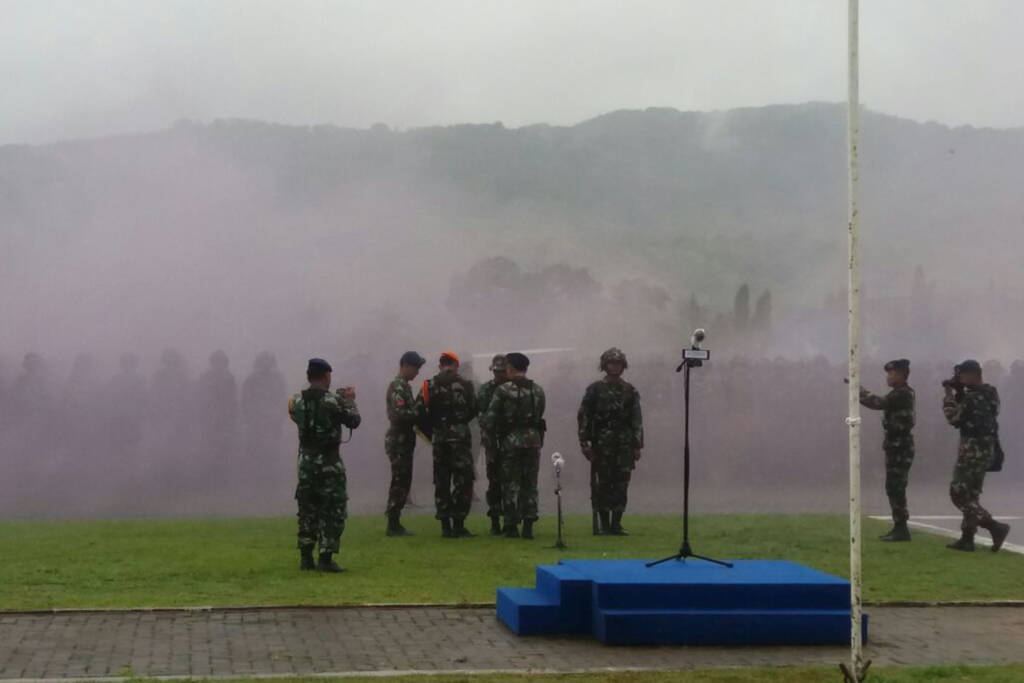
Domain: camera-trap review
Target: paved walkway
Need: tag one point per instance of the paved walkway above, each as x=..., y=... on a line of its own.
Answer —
x=345, y=640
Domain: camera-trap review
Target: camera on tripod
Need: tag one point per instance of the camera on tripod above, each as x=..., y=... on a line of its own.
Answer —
x=695, y=356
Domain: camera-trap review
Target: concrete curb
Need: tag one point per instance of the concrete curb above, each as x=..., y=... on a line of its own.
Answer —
x=57, y=611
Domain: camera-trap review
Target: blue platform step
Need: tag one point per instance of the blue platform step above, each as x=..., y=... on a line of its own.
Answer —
x=756, y=602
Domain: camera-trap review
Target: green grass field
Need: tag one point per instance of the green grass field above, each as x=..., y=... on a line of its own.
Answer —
x=147, y=563
x=950, y=674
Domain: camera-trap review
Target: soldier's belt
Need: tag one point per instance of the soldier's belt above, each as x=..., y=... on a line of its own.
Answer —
x=318, y=445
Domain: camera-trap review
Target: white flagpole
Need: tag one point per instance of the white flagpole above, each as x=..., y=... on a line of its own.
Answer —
x=857, y=669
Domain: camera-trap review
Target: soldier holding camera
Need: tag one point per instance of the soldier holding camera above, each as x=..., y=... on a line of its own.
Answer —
x=322, y=492
x=972, y=406
x=898, y=423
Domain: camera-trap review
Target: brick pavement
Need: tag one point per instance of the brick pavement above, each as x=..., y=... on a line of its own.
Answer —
x=305, y=641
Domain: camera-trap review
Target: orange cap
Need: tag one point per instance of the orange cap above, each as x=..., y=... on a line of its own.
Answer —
x=451, y=354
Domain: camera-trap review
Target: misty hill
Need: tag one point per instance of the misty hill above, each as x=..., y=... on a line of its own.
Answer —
x=246, y=216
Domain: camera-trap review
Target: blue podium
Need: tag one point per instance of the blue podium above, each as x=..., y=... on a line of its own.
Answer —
x=623, y=602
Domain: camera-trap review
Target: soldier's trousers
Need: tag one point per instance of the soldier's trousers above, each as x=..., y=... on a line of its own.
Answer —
x=453, y=479
x=401, y=480
x=322, y=499
x=520, y=467
x=495, y=476
x=897, y=476
x=612, y=485
x=968, y=480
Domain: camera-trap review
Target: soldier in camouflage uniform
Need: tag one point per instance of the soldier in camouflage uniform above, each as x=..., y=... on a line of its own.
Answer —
x=898, y=423
x=400, y=440
x=515, y=419
x=611, y=437
x=972, y=406
x=491, y=450
x=447, y=404
x=321, y=492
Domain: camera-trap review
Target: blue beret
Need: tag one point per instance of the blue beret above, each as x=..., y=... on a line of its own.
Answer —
x=318, y=367
x=970, y=366
x=412, y=358
x=901, y=364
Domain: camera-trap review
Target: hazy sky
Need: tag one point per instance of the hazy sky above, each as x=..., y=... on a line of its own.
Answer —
x=79, y=68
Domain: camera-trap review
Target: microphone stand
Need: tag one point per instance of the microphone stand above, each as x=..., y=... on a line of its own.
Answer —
x=685, y=550
x=559, y=543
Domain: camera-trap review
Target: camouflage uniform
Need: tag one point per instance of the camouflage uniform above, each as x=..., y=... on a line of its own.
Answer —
x=515, y=417
x=448, y=405
x=399, y=442
x=321, y=492
x=494, y=476
x=973, y=411
x=898, y=423
x=610, y=421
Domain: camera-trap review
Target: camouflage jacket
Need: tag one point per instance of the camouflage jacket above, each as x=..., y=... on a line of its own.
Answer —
x=515, y=415
x=448, y=403
x=973, y=411
x=320, y=415
x=897, y=412
x=484, y=395
x=609, y=417
x=483, y=402
x=401, y=404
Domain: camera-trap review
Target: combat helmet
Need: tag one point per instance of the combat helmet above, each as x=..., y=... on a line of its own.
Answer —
x=612, y=355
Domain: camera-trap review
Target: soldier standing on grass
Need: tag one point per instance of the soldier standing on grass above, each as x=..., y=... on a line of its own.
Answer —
x=515, y=419
x=321, y=493
x=447, y=405
x=499, y=368
x=972, y=406
x=400, y=440
x=898, y=423
x=611, y=433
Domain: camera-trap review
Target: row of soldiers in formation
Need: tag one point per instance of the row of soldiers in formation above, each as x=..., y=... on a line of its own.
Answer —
x=510, y=410
x=111, y=413
x=970, y=405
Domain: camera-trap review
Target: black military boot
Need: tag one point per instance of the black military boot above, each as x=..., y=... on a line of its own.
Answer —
x=446, y=528
x=326, y=564
x=616, y=527
x=459, y=529
x=999, y=532
x=899, y=532
x=395, y=527
x=965, y=542
x=511, y=531
x=495, y=526
x=606, y=525
x=307, y=564
x=527, y=529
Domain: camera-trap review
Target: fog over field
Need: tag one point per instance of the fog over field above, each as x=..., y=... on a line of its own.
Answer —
x=166, y=269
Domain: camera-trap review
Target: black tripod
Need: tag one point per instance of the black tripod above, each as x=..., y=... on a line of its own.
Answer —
x=693, y=357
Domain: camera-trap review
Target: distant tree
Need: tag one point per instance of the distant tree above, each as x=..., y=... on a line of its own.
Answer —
x=561, y=283
x=488, y=286
x=498, y=288
x=637, y=293
x=762, y=320
x=741, y=309
x=693, y=311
